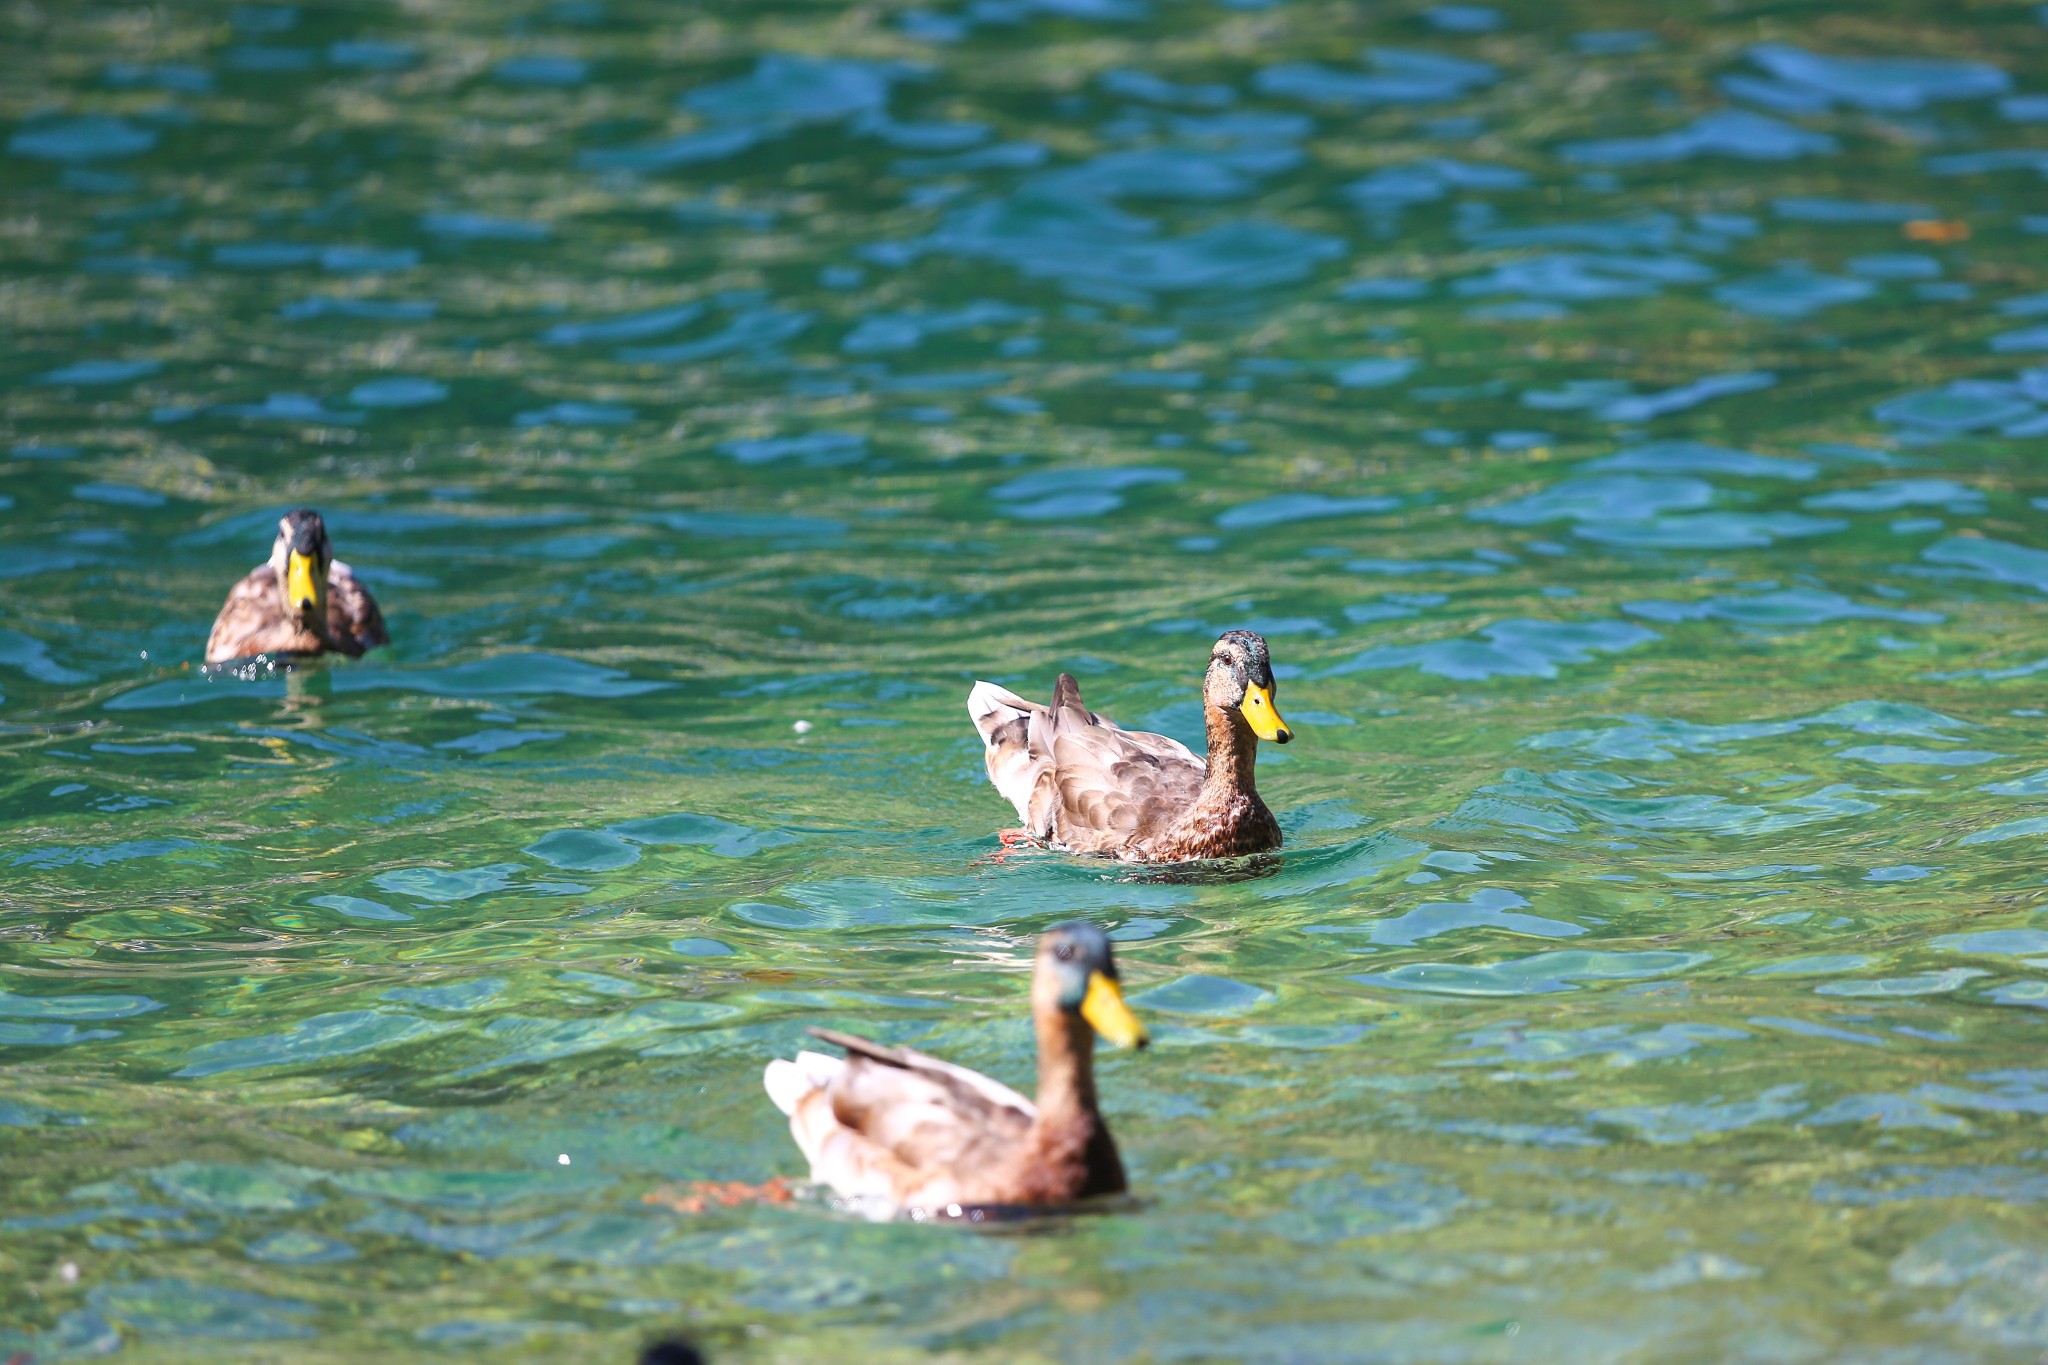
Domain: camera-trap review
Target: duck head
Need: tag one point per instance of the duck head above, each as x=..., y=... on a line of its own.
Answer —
x=1076, y=975
x=1240, y=679
x=300, y=559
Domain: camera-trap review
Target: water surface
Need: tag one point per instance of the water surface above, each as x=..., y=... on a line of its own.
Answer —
x=1625, y=427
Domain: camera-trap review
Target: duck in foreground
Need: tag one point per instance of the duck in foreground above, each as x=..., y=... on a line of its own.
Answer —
x=304, y=601
x=895, y=1131
x=1086, y=785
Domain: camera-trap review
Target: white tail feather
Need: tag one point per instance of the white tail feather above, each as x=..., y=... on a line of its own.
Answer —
x=990, y=706
x=788, y=1082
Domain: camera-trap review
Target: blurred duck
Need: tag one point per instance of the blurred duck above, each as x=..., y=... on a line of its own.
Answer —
x=897, y=1131
x=1086, y=785
x=303, y=602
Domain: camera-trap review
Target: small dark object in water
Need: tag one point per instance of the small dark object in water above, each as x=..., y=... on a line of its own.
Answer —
x=670, y=1351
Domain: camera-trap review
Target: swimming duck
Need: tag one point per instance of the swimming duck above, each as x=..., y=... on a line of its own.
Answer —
x=1086, y=785
x=896, y=1131
x=303, y=602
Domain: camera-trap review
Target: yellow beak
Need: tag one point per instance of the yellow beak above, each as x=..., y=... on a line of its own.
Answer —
x=1258, y=708
x=1104, y=1009
x=303, y=590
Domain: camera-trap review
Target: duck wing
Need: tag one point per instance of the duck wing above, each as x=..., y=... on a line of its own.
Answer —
x=352, y=615
x=1016, y=737
x=894, y=1126
x=252, y=620
x=1117, y=788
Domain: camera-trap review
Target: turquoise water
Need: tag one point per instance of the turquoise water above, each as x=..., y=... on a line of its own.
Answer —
x=1643, y=503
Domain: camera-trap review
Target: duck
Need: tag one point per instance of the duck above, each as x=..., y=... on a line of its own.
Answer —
x=301, y=602
x=896, y=1133
x=1086, y=785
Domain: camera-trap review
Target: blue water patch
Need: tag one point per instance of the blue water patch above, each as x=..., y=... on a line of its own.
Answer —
x=1486, y=908
x=94, y=137
x=1098, y=250
x=293, y=1247
x=316, y=1039
x=172, y=76
x=357, y=907
x=1584, y=277
x=571, y=413
x=1143, y=85
x=1514, y=649
x=1601, y=498
x=1199, y=994
x=460, y=997
x=73, y=1007
x=32, y=657
x=790, y=89
x=1779, y=608
x=584, y=850
x=1708, y=530
x=480, y=227
x=1818, y=209
x=1997, y=560
x=101, y=855
x=1463, y=18
x=722, y=837
x=1896, y=265
x=369, y=54
x=814, y=450
x=1699, y=457
x=1056, y=494
x=755, y=330
x=398, y=391
x=888, y=332
x=1613, y=42
x=1792, y=292
x=1666, y=1124
x=1996, y=942
x=1538, y=974
x=1959, y=406
x=1292, y=507
x=1398, y=77
x=1645, y=407
x=92, y=373
x=1428, y=180
x=445, y=885
x=1889, y=84
x=1725, y=132
x=369, y=310
x=1890, y=495
x=629, y=327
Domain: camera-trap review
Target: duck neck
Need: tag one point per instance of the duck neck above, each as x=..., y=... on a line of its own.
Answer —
x=1066, y=1067
x=1232, y=750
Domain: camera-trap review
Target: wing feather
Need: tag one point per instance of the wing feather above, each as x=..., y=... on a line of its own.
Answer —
x=1079, y=778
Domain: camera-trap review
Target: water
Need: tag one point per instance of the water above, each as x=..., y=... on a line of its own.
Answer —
x=1601, y=410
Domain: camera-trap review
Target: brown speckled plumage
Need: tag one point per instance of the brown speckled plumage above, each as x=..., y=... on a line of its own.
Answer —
x=1084, y=784
x=903, y=1132
x=257, y=620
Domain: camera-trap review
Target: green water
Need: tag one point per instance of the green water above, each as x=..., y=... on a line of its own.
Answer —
x=1647, y=530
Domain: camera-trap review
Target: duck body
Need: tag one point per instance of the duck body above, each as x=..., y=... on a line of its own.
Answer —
x=301, y=602
x=1087, y=785
x=895, y=1131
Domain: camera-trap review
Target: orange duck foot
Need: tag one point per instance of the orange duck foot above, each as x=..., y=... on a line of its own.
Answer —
x=1011, y=840
x=701, y=1196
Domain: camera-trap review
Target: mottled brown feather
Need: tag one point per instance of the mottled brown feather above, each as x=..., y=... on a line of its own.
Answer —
x=1085, y=784
x=255, y=621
